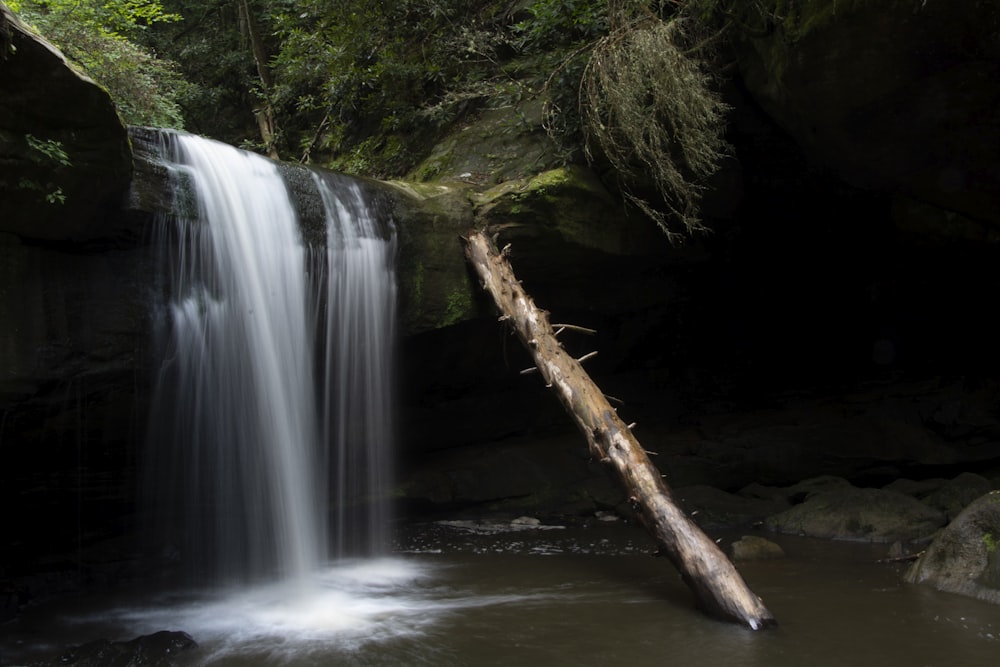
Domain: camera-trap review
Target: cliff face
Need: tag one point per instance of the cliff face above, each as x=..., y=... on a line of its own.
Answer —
x=838, y=319
x=899, y=97
x=64, y=153
x=72, y=285
x=834, y=321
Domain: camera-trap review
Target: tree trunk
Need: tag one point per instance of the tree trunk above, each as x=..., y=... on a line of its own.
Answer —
x=718, y=587
x=266, y=122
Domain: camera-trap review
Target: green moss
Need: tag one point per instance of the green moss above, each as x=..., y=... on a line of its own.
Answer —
x=458, y=306
x=379, y=155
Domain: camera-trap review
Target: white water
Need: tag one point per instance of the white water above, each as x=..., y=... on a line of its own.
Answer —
x=361, y=294
x=272, y=395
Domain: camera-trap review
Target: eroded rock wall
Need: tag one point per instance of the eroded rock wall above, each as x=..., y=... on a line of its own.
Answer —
x=898, y=96
x=65, y=159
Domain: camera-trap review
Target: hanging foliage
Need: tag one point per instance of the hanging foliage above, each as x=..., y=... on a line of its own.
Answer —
x=648, y=106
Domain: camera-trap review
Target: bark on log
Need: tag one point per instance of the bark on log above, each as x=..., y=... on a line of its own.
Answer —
x=717, y=585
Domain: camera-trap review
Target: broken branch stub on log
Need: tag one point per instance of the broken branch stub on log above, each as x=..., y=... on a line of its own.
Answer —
x=717, y=585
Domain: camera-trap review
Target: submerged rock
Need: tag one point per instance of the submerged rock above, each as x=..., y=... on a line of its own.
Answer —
x=869, y=515
x=156, y=650
x=965, y=557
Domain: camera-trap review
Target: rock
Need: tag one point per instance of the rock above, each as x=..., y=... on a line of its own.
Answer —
x=965, y=557
x=948, y=496
x=869, y=515
x=65, y=160
x=806, y=489
x=74, y=338
x=713, y=508
x=556, y=222
x=795, y=493
x=435, y=286
x=955, y=495
x=491, y=146
x=753, y=547
x=915, y=488
x=901, y=98
x=520, y=476
x=160, y=649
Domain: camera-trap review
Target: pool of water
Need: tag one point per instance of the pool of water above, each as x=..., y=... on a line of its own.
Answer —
x=464, y=594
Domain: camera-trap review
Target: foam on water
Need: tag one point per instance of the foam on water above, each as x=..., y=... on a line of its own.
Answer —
x=339, y=610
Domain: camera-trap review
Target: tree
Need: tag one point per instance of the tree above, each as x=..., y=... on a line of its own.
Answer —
x=266, y=120
x=101, y=37
x=718, y=586
x=364, y=86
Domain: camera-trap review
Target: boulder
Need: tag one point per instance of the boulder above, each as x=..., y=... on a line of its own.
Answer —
x=796, y=493
x=867, y=515
x=947, y=496
x=955, y=495
x=965, y=557
x=65, y=160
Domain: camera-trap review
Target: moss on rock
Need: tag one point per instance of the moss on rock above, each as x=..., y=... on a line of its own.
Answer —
x=436, y=289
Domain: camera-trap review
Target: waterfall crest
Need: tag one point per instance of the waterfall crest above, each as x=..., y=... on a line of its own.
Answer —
x=272, y=401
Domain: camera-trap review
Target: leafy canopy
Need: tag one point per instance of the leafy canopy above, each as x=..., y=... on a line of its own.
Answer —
x=101, y=37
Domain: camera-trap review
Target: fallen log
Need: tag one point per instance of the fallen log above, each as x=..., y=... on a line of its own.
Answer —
x=717, y=585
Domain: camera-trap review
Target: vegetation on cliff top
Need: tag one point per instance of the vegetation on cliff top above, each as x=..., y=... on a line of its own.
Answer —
x=370, y=88
x=102, y=38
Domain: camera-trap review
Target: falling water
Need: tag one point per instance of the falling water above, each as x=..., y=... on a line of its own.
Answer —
x=272, y=400
x=361, y=293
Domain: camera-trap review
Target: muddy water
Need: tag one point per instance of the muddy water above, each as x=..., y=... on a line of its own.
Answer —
x=462, y=595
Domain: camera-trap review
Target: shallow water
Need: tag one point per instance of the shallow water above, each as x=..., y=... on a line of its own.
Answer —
x=452, y=595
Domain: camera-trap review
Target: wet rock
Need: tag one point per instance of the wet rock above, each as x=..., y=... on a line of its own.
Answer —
x=753, y=547
x=870, y=515
x=529, y=521
x=160, y=649
x=965, y=557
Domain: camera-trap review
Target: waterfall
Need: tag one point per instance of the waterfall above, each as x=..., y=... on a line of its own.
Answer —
x=360, y=330
x=271, y=422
